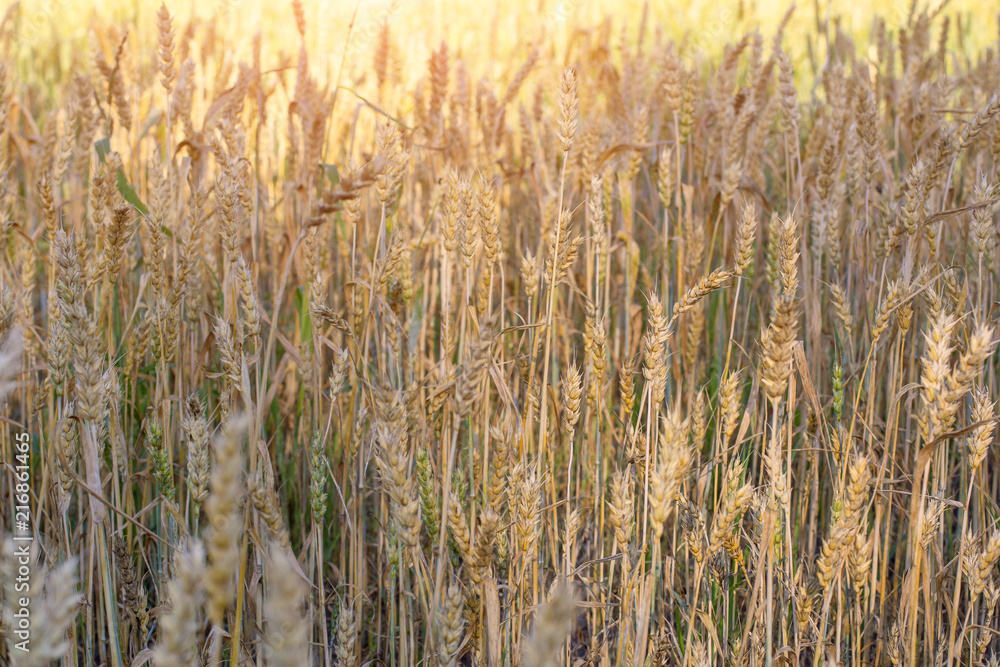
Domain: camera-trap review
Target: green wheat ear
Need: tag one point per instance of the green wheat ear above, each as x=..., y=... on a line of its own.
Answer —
x=428, y=504
x=838, y=390
x=318, y=471
x=162, y=468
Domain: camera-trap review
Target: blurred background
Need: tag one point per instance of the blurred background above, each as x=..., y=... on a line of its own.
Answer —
x=348, y=30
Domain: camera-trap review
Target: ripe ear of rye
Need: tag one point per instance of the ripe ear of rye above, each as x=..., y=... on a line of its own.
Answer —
x=341, y=340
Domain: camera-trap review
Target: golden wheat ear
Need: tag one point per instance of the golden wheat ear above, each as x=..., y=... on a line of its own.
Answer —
x=41, y=606
x=180, y=628
x=552, y=624
x=286, y=631
x=11, y=350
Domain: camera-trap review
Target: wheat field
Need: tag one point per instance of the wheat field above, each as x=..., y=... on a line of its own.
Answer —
x=615, y=344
